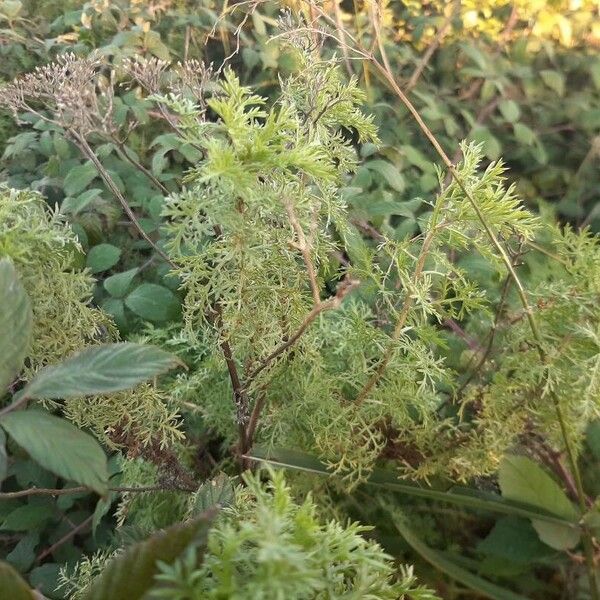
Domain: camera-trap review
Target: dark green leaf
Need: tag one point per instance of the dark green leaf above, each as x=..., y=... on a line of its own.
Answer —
x=102, y=257
x=45, y=578
x=131, y=575
x=450, y=568
x=153, y=302
x=510, y=110
x=515, y=540
x=78, y=178
x=15, y=323
x=22, y=556
x=389, y=172
x=117, y=285
x=101, y=370
x=59, y=446
x=27, y=517
x=523, y=480
x=12, y=585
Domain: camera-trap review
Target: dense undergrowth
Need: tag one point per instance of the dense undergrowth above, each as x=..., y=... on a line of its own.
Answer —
x=354, y=242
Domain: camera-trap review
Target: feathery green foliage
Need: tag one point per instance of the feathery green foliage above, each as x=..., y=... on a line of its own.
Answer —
x=267, y=546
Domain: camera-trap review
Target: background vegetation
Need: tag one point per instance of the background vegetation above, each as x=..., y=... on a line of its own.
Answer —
x=520, y=78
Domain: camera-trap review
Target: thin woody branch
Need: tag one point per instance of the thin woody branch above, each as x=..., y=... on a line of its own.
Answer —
x=303, y=247
x=343, y=290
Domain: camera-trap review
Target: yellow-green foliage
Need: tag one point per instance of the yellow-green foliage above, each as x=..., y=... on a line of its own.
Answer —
x=47, y=256
x=269, y=189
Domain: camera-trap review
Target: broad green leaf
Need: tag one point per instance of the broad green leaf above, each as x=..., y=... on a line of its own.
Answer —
x=15, y=323
x=22, y=556
x=102, y=257
x=78, y=178
x=450, y=568
x=417, y=158
x=131, y=575
x=515, y=540
x=115, y=307
x=556, y=536
x=101, y=370
x=523, y=480
x=523, y=134
x=44, y=578
x=554, y=80
x=117, y=285
x=510, y=110
x=466, y=497
x=74, y=205
x=27, y=517
x=12, y=584
x=153, y=302
x=491, y=145
x=59, y=446
x=389, y=172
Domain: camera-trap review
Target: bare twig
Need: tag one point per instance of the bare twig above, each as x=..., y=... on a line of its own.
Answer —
x=402, y=318
x=303, y=247
x=433, y=46
x=65, y=538
x=343, y=289
x=126, y=153
x=87, y=151
x=35, y=491
x=17, y=404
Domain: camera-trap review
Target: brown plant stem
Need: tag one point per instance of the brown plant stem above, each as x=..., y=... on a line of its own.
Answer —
x=65, y=538
x=343, y=289
x=433, y=46
x=35, y=491
x=87, y=151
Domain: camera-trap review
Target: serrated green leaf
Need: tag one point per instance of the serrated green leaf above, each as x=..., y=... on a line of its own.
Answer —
x=101, y=370
x=131, y=575
x=102, y=257
x=74, y=205
x=78, y=178
x=15, y=323
x=59, y=446
x=13, y=585
x=118, y=285
x=153, y=302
